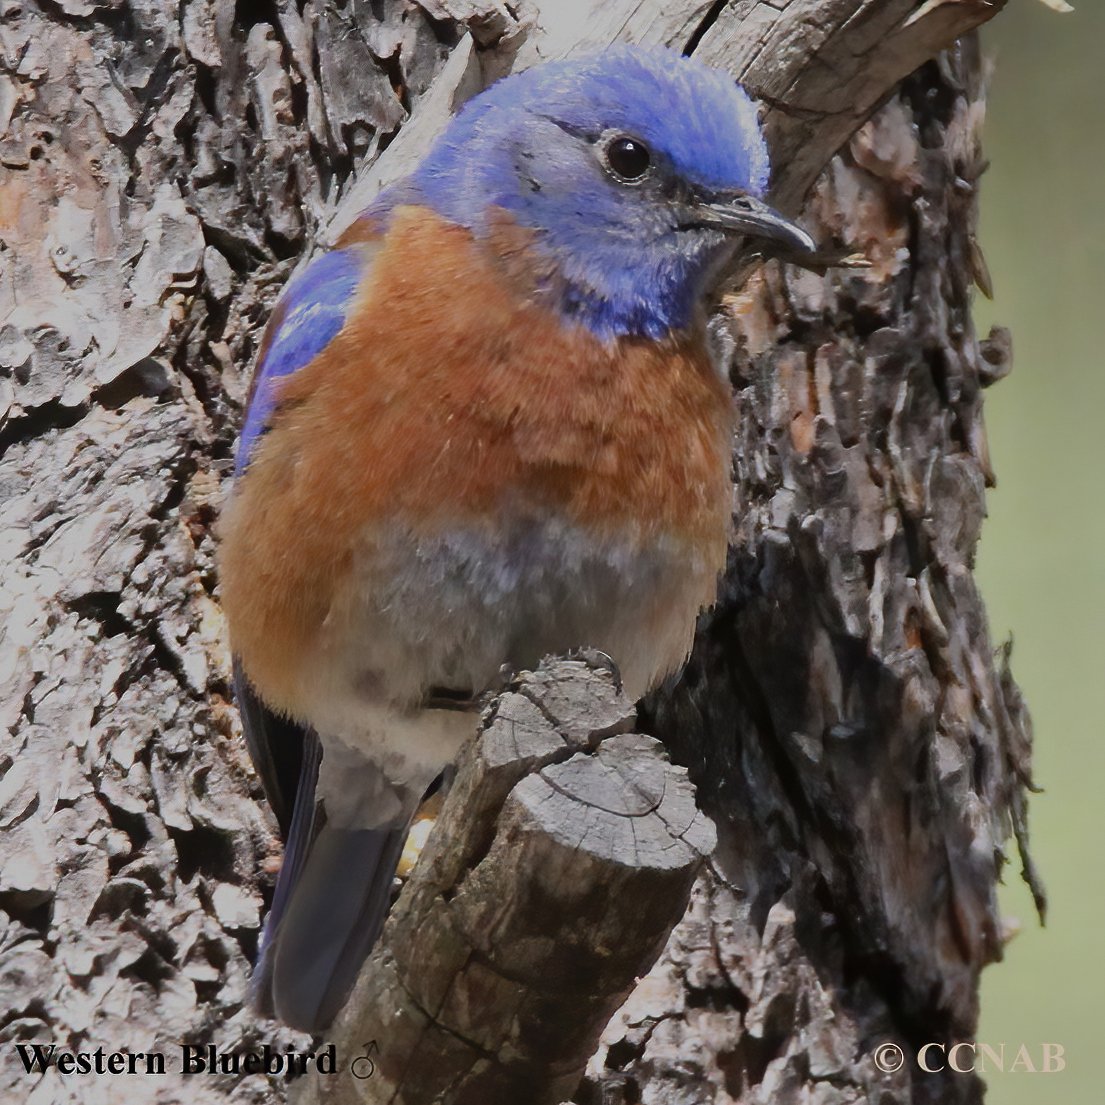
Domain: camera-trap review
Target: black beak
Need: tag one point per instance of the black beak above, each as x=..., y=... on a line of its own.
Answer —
x=745, y=214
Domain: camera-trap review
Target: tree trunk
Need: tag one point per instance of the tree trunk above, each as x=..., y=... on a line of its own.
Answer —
x=859, y=747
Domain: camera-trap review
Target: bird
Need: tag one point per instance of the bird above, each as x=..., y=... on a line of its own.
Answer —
x=484, y=427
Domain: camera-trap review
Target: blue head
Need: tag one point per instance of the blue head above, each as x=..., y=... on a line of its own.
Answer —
x=636, y=168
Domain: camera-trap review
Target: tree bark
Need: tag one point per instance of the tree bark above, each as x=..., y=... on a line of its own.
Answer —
x=859, y=747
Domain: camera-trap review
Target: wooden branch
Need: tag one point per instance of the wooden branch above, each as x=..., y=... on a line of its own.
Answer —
x=563, y=856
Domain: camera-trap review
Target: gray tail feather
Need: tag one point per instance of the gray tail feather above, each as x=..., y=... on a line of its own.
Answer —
x=331, y=900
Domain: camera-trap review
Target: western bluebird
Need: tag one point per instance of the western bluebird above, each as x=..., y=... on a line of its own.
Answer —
x=484, y=428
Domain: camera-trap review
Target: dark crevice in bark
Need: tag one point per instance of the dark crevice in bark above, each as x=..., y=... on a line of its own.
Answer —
x=708, y=20
x=39, y=421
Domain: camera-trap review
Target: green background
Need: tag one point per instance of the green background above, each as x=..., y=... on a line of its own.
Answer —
x=1041, y=562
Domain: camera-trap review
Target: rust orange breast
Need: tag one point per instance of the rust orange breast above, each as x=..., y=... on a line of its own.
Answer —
x=451, y=398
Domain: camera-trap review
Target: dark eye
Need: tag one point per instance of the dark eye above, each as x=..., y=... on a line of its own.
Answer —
x=627, y=158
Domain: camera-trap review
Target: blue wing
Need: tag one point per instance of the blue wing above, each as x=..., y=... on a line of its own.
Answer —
x=334, y=886
x=310, y=313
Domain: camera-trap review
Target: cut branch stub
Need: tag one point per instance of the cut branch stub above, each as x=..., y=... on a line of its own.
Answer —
x=563, y=856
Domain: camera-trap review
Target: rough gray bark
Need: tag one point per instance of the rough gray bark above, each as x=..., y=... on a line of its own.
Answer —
x=162, y=168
